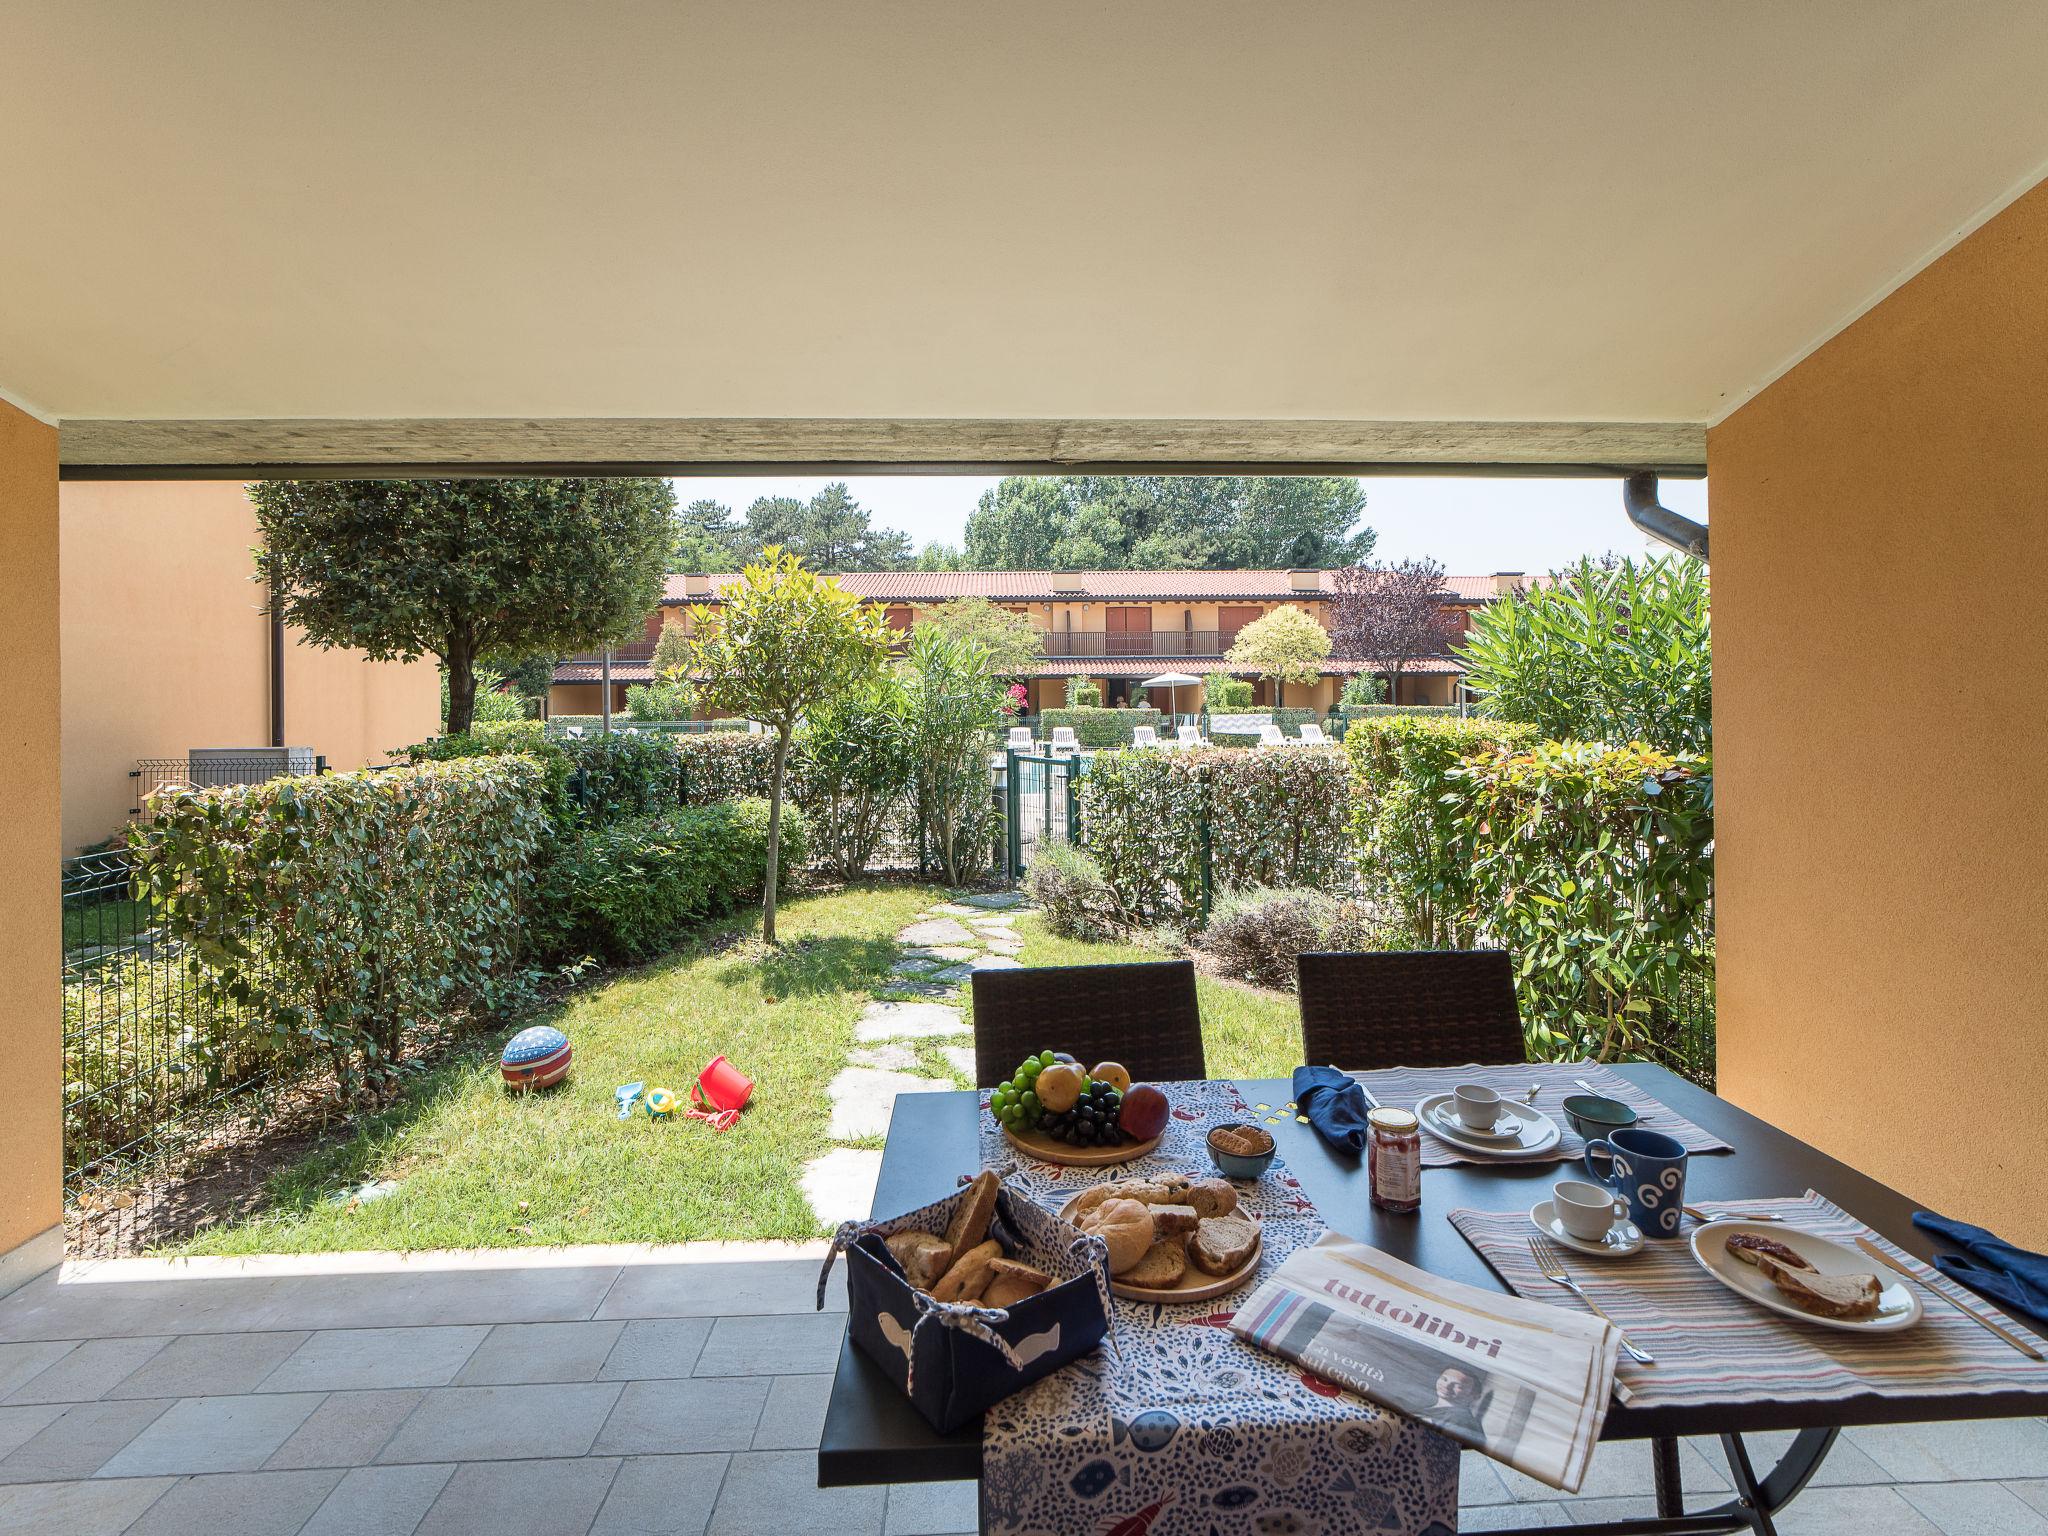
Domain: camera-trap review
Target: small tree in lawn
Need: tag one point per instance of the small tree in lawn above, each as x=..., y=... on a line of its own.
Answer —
x=784, y=640
x=1287, y=645
x=1391, y=616
x=463, y=569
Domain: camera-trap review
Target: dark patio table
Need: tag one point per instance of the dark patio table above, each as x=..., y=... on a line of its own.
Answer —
x=873, y=1435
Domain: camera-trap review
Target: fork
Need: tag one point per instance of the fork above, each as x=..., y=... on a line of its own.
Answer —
x=1544, y=1252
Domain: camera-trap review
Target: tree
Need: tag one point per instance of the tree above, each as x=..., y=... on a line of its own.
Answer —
x=1012, y=642
x=1390, y=616
x=784, y=640
x=1168, y=522
x=1612, y=651
x=830, y=532
x=464, y=569
x=1287, y=645
x=706, y=538
x=669, y=696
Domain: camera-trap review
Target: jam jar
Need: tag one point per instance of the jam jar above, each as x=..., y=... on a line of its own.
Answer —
x=1393, y=1160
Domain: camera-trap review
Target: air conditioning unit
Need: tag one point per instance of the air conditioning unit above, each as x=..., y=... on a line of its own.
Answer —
x=209, y=766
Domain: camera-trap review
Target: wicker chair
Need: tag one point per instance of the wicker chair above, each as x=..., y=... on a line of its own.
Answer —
x=1410, y=1008
x=1144, y=1016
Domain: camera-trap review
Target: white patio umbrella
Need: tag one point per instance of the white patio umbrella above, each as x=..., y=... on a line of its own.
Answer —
x=1174, y=680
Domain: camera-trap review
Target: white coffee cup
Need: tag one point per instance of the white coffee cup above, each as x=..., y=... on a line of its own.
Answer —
x=1478, y=1107
x=1587, y=1210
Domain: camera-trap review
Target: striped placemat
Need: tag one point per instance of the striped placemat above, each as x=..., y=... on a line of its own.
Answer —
x=1713, y=1347
x=1554, y=1081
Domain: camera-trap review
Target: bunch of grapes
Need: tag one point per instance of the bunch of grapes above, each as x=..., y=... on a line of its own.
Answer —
x=1092, y=1120
x=1013, y=1102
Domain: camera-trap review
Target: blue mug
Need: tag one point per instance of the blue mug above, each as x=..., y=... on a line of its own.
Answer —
x=1648, y=1171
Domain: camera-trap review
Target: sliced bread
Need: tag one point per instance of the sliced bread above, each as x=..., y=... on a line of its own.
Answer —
x=1824, y=1295
x=923, y=1255
x=1220, y=1245
x=977, y=1208
x=1161, y=1268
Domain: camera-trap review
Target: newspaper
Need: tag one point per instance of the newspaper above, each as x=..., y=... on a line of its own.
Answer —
x=1524, y=1383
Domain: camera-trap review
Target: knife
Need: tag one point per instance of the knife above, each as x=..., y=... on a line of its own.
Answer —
x=1972, y=1314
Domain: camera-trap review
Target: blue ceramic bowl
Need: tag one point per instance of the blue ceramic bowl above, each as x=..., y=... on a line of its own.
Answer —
x=1236, y=1166
x=1593, y=1114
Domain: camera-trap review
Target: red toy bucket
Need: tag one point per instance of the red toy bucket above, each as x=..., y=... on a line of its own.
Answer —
x=720, y=1093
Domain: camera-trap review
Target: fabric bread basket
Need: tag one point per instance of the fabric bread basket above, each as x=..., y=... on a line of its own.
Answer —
x=953, y=1361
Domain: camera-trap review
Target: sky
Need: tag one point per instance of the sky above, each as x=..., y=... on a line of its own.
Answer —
x=1471, y=525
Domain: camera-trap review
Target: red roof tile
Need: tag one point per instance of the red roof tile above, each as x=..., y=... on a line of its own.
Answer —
x=1044, y=586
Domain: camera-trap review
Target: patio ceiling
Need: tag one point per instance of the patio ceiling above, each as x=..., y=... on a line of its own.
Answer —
x=238, y=232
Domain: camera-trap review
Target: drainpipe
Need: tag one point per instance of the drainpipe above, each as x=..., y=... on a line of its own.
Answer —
x=276, y=665
x=1639, y=496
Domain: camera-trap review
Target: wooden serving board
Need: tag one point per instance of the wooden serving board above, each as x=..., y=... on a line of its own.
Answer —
x=1046, y=1150
x=1195, y=1284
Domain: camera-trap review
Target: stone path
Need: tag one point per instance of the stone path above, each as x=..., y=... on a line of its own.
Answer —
x=910, y=1039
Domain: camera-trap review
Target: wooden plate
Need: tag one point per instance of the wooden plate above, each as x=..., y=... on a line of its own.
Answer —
x=1195, y=1284
x=1046, y=1150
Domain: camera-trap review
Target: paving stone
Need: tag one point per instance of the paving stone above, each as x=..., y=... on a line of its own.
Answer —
x=1006, y=946
x=777, y=1346
x=210, y=1365
x=1478, y=1483
x=532, y=1498
x=863, y=1100
x=884, y=1058
x=1974, y=1509
x=794, y=1419
x=2034, y=1493
x=1845, y=1465
x=954, y=909
x=18, y=1426
x=935, y=931
x=528, y=1352
x=22, y=1362
x=238, y=1504
x=994, y=900
x=356, y=1359
x=661, y=1496
x=841, y=1185
x=379, y=1501
x=1508, y=1517
x=214, y=1434
x=503, y=1423
x=734, y=1287
x=778, y=1490
x=1619, y=1469
x=997, y=963
x=915, y=991
x=77, y=1440
x=79, y=1509
x=1865, y=1511
x=992, y=923
x=955, y=973
x=90, y=1371
x=945, y=952
x=908, y=1021
x=960, y=1058
x=717, y=1413
x=932, y=1509
x=347, y=1430
x=910, y=965
x=653, y=1348
x=1964, y=1448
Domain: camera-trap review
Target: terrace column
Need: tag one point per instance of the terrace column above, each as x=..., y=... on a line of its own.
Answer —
x=31, y=924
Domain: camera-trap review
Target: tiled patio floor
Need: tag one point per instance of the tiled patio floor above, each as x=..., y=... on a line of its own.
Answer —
x=618, y=1391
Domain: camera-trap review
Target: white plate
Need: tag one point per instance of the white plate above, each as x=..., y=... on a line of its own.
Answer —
x=1897, y=1307
x=1538, y=1132
x=1507, y=1127
x=1623, y=1238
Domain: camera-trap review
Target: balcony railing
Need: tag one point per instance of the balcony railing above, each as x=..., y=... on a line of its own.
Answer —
x=1157, y=642
x=638, y=651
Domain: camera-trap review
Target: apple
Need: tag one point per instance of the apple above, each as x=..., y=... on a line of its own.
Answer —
x=1112, y=1073
x=1144, y=1113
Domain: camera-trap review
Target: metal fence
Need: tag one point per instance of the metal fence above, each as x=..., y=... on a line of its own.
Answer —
x=209, y=769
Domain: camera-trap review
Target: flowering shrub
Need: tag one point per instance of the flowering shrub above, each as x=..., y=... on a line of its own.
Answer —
x=1167, y=827
x=349, y=908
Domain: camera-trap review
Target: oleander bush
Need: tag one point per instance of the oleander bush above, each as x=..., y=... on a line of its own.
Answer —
x=1168, y=827
x=628, y=890
x=1099, y=729
x=1071, y=895
x=848, y=769
x=1255, y=934
x=348, y=909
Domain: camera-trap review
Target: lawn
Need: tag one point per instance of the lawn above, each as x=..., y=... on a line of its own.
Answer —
x=477, y=1167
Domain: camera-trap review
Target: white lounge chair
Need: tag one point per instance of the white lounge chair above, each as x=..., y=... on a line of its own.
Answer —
x=1189, y=736
x=1144, y=736
x=1064, y=741
x=1270, y=735
x=1312, y=735
x=1020, y=738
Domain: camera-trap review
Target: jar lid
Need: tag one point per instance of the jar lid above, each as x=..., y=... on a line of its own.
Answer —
x=1399, y=1120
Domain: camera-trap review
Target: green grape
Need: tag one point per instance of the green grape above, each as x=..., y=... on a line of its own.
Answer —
x=1046, y=1058
x=1030, y=1103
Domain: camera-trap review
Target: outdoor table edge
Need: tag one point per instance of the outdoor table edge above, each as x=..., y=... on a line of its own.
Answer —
x=872, y=1434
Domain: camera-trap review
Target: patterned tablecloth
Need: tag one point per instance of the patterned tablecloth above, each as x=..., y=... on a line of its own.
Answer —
x=1554, y=1081
x=1714, y=1347
x=1177, y=1426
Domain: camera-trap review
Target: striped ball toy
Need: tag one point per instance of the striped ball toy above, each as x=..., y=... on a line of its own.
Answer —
x=535, y=1058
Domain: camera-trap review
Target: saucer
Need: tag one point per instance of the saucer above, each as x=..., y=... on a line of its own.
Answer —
x=1535, y=1132
x=1506, y=1127
x=1623, y=1238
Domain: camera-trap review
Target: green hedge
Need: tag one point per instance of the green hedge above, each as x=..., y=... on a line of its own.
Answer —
x=1098, y=729
x=1290, y=722
x=622, y=776
x=1265, y=818
x=629, y=890
x=349, y=909
x=725, y=765
x=523, y=738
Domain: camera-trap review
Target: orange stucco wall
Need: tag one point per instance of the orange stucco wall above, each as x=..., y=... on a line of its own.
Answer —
x=1879, y=515
x=31, y=1129
x=166, y=649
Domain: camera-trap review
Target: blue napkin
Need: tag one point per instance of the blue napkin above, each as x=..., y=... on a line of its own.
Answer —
x=1335, y=1106
x=2014, y=1278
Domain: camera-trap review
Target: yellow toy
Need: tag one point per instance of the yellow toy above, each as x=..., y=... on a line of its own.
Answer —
x=661, y=1104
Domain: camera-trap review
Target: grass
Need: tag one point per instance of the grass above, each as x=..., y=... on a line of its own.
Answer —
x=104, y=922
x=477, y=1167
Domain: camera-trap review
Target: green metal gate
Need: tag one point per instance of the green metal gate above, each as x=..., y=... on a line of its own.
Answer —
x=1040, y=802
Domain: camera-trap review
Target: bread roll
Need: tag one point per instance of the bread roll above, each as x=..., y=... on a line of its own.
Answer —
x=1222, y=1243
x=1126, y=1226
x=1212, y=1197
x=1173, y=1220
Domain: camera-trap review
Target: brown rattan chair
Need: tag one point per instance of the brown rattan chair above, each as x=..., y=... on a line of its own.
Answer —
x=1143, y=1016
x=1409, y=1008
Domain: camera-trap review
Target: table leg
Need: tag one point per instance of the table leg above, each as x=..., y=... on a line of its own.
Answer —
x=1749, y=1493
x=1664, y=1469
x=1756, y=1499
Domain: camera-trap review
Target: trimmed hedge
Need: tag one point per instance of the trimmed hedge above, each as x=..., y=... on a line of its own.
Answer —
x=523, y=738
x=630, y=889
x=725, y=765
x=1290, y=722
x=1164, y=825
x=1099, y=729
x=349, y=909
x=622, y=776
